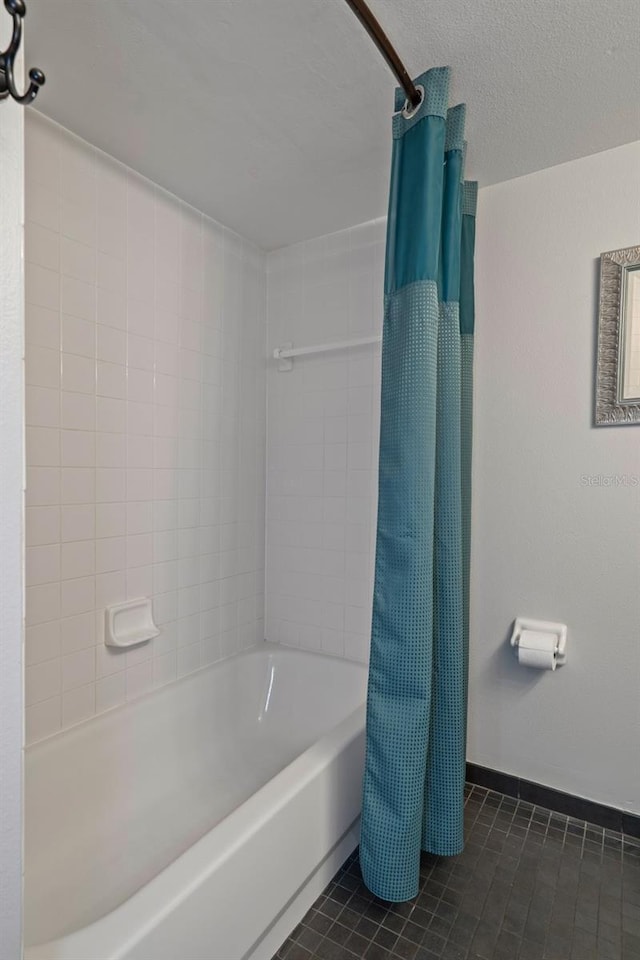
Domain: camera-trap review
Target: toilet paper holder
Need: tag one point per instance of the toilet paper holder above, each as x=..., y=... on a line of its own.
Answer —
x=559, y=630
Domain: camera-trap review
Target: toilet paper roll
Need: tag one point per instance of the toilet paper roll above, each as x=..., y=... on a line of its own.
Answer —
x=537, y=649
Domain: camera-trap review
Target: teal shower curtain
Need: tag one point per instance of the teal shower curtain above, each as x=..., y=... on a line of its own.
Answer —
x=416, y=703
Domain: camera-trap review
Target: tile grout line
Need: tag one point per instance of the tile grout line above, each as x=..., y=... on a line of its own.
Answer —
x=394, y=934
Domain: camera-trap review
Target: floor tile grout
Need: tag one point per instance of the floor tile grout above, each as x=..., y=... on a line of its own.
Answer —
x=531, y=884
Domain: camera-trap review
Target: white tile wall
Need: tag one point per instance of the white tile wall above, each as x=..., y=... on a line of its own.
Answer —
x=323, y=421
x=145, y=325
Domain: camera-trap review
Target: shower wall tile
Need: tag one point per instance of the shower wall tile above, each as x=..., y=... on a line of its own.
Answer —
x=145, y=382
x=323, y=420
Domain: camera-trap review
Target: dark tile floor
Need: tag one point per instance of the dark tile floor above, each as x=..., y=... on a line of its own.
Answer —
x=531, y=884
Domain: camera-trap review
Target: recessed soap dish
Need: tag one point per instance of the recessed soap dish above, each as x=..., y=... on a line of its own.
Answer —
x=130, y=623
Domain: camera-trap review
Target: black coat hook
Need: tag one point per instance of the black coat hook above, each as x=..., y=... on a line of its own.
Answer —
x=18, y=10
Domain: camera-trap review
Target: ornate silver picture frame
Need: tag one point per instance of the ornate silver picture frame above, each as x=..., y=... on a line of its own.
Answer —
x=617, y=395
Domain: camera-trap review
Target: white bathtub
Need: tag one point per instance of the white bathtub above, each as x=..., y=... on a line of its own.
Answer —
x=199, y=822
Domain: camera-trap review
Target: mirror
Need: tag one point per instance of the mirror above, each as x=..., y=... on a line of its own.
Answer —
x=618, y=362
x=629, y=378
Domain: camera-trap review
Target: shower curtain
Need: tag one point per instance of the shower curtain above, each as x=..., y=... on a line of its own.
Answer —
x=416, y=703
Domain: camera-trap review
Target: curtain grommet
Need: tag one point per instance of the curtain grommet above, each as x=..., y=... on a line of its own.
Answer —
x=409, y=111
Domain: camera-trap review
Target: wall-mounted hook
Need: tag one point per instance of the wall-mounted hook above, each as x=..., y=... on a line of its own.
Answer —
x=18, y=10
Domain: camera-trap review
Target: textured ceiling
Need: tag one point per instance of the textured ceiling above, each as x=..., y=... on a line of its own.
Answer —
x=273, y=116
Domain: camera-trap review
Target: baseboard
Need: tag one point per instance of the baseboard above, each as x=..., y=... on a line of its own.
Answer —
x=610, y=817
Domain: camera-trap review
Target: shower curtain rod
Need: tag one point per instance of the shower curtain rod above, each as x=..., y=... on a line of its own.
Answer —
x=384, y=45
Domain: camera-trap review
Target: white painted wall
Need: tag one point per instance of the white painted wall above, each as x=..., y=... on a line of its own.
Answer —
x=145, y=329
x=544, y=544
x=11, y=521
x=547, y=543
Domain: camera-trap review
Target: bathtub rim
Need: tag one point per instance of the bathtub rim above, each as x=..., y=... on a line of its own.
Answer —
x=260, y=646
x=119, y=930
